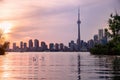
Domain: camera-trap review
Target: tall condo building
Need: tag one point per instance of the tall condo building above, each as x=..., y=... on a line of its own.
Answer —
x=43, y=46
x=14, y=46
x=79, y=22
x=25, y=45
x=100, y=32
x=21, y=45
x=36, y=43
x=30, y=44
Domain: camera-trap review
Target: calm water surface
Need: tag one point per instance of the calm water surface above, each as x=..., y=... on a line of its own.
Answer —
x=59, y=66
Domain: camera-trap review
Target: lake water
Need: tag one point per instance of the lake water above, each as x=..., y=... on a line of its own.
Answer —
x=59, y=66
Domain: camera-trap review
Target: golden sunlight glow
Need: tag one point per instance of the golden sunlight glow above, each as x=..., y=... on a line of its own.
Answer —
x=6, y=26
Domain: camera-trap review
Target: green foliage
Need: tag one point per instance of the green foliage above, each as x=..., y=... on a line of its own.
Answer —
x=114, y=24
x=113, y=46
x=116, y=49
x=110, y=48
x=99, y=49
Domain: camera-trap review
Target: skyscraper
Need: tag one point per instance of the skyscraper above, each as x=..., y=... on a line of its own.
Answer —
x=25, y=45
x=43, y=46
x=96, y=41
x=30, y=44
x=21, y=45
x=51, y=46
x=78, y=22
x=56, y=47
x=61, y=46
x=14, y=46
x=36, y=43
x=100, y=34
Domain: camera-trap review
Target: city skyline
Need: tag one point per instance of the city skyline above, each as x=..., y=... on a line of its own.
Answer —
x=38, y=46
x=53, y=22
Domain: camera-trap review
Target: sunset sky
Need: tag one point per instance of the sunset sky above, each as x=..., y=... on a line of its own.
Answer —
x=54, y=20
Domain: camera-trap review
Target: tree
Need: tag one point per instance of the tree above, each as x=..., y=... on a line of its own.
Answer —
x=3, y=43
x=114, y=26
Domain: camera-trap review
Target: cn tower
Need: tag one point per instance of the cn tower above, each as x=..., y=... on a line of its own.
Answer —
x=78, y=22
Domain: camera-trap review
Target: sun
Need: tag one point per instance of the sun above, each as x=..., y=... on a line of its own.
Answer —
x=5, y=26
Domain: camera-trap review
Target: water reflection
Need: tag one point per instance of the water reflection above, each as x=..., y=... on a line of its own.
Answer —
x=116, y=68
x=59, y=66
x=78, y=57
x=109, y=67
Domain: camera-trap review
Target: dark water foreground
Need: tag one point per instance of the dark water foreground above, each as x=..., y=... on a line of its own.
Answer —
x=59, y=66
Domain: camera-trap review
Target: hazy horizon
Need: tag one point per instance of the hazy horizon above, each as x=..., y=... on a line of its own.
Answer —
x=55, y=20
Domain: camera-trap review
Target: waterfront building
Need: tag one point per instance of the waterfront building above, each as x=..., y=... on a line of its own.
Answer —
x=36, y=44
x=30, y=45
x=66, y=48
x=84, y=46
x=90, y=44
x=25, y=47
x=43, y=46
x=21, y=45
x=14, y=46
x=96, y=37
x=72, y=46
x=57, y=47
x=96, y=41
x=61, y=46
x=51, y=46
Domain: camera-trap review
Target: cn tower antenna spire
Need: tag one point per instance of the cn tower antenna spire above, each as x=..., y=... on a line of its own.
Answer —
x=78, y=13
